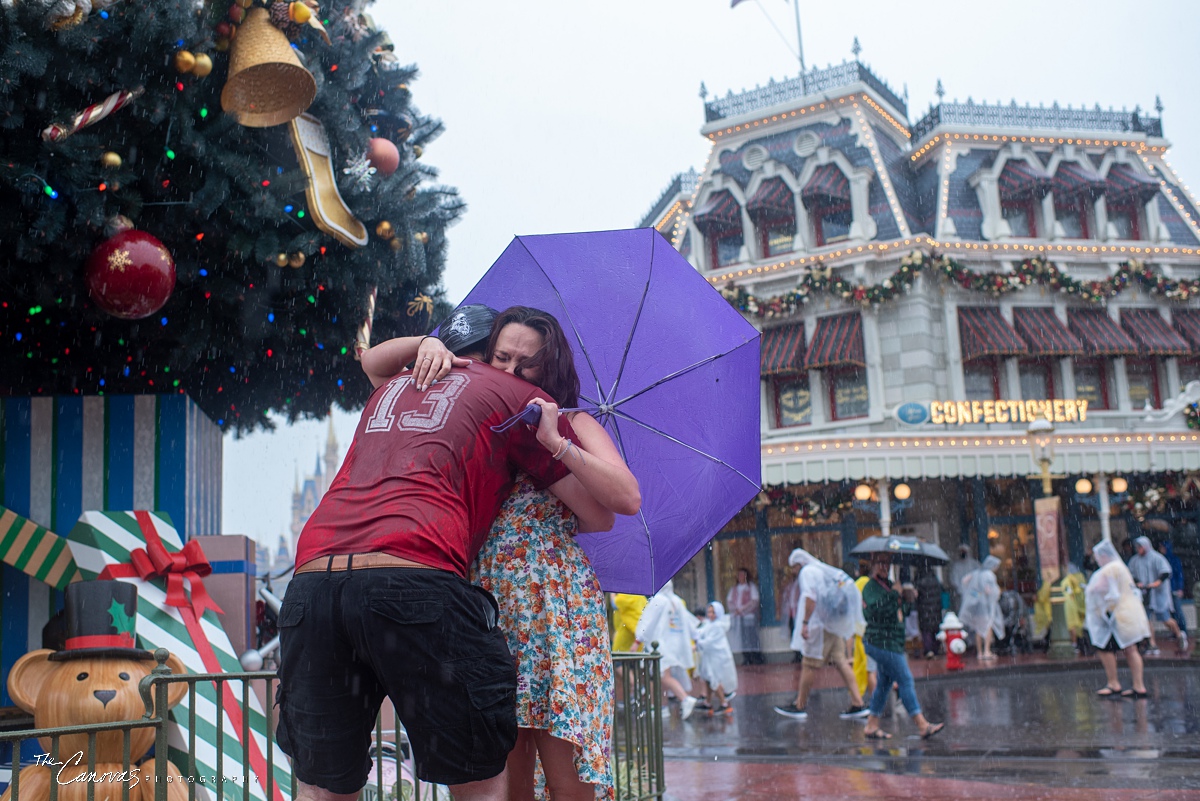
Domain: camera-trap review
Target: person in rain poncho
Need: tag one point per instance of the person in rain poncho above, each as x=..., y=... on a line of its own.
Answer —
x=962, y=567
x=667, y=621
x=1152, y=575
x=716, y=659
x=1073, y=607
x=1176, y=564
x=788, y=603
x=627, y=610
x=742, y=603
x=980, y=609
x=1116, y=620
x=829, y=613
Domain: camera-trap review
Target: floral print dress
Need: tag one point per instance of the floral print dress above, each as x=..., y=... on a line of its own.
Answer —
x=552, y=610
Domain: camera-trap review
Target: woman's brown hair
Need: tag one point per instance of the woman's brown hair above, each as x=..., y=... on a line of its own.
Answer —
x=559, y=379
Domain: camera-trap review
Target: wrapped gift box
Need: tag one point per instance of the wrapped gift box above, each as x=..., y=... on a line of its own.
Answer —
x=231, y=585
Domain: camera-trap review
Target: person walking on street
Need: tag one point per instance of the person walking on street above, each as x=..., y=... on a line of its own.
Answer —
x=829, y=612
x=1152, y=574
x=962, y=567
x=1116, y=621
x=789, y=601
x=716, y=660
x=929, y=610
x=1176, y=564
x=742, y=603
x=667, y=621
x=980, y=609
x=884, y=640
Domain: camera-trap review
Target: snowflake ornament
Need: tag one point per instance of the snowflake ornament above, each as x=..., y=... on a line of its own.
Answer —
x=360, y=169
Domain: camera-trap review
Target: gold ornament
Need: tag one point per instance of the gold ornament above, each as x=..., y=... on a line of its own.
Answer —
x=384, y=230
x=420, y=303
x=266, y=83
x=184, y=61
x=396, y=245
x=281, y=259
x=418, y=151
x=299, y=13
x=111, y=160
x=421, y=237
x=296, y=259
x=222, y=45
x=244, y=3
x=68, y=22
x=203, y=65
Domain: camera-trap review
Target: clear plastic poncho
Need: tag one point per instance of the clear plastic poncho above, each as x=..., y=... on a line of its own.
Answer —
x=1114, y=603
x=716, y=658
x=1148, y=568
x=838, y=606
x=667, y=621
x=980, y=608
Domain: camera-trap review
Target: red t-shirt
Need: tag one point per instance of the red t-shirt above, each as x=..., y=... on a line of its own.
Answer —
x=425, y=475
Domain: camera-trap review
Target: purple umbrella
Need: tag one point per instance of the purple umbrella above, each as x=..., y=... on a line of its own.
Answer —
x=667, y=366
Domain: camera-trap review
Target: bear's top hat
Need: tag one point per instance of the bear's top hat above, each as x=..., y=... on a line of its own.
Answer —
x=101, y=618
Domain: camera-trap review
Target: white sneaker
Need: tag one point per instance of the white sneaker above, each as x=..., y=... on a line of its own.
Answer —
x=1183, y=643
x=686, y=706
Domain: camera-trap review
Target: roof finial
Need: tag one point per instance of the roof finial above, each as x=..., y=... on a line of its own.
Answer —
x=940, y=91
x=856, y=48
x=1158, y=106
x=703, y=91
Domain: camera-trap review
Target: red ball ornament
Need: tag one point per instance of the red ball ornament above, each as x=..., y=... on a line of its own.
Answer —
x=130, y=275
x=383, y=155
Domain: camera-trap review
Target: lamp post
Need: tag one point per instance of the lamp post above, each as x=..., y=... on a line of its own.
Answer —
x=1041, y=438
x=1102, y=502
x=886, y=500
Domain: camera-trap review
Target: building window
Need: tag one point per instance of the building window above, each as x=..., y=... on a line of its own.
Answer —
x=1189, y=371
x=1091, y=383
x=793, y=402
x=778, y=236
x=1019, y=216
x=1072, y=214
x=1037, y=380
x=726, y=249
x=1123, y=217
x=831, y=223
x=848, y=392
x=981, y=379
x=1142, y=375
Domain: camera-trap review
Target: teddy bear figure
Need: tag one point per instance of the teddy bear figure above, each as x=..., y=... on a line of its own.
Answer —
x=93, y=679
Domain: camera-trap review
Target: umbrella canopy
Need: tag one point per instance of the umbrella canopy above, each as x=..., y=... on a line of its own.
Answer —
x=670, y=370
x=904, y=550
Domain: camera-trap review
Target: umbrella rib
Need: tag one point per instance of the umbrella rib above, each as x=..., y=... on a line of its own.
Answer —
x=567, y=312
x=682, y=371
x=640, y=513
x=693, y=448
x=637, y=318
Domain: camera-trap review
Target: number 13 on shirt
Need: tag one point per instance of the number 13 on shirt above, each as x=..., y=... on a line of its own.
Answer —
x=437, y=402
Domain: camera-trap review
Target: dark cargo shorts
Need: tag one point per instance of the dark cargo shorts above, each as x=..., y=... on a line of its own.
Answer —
x=425, y=638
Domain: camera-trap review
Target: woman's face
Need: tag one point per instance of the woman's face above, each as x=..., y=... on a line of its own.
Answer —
x=515, y=344
x=711, y=614
x=743, y=576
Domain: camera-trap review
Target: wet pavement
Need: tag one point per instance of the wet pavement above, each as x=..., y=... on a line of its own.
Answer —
x=1013, y=729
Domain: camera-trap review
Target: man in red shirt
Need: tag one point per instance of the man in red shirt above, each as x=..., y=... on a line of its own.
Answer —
x=415, y=496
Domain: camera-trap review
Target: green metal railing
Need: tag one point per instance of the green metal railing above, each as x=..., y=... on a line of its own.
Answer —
x=637, y=742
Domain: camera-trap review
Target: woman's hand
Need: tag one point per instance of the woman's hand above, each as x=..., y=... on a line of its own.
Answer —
x=547, y=429
x=433, y=361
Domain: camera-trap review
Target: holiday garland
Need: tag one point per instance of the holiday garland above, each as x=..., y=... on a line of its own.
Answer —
x=1035, y=270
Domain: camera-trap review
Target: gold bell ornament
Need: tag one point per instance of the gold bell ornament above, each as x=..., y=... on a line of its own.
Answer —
x=267, y=84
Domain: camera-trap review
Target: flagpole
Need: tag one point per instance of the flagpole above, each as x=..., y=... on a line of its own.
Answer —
x=799, y=40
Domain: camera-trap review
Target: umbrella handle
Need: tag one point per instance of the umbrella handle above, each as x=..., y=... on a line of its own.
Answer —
x=532, y=415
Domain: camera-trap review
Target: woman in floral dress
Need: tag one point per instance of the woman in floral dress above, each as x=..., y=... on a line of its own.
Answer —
x=550, y=601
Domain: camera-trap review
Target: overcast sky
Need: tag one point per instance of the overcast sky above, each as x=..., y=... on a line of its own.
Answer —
x=574, y=116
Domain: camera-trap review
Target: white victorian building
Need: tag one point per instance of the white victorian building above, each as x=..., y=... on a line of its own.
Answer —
x=928, y=289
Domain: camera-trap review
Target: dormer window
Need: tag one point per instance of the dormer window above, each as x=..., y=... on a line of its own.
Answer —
x=1075, y=186
x=773, y=210
x=720, y=220
x=826, y=196
x=1126, y=193
x=1021, y=185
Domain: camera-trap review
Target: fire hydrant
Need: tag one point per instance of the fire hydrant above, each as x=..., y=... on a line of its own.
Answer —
x=951, y=634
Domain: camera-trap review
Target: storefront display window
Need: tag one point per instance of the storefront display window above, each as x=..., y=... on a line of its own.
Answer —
x=1015, y=545
x=729, y=556
x=1091, y=382
x=793, y=402
x=848, y=393
x=1142, y=375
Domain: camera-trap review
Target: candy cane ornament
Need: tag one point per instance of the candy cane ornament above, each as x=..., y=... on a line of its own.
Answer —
x=91, y=114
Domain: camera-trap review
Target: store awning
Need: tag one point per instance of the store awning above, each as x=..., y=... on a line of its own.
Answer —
x=1019, y=180
x=783, y=350
x=1100, y=334
x=1153, y=334
x=1125, y=183
x=1072, y=178
x=720, y=213
x=773, y=198
x=827, y=182
x=837, y=341
x=983, y=331
x=977, y=454
x=1045, y=334
x=1187, y=322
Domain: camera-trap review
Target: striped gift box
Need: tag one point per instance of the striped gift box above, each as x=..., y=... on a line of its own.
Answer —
x=104, y=539
x=36, y=551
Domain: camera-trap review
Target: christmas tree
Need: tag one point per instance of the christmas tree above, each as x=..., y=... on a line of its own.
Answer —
x=167, y=118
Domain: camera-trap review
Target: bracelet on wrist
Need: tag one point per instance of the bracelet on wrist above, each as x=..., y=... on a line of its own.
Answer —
x=562, y=449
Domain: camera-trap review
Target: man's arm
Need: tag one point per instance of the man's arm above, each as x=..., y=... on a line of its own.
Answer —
x=810, y=604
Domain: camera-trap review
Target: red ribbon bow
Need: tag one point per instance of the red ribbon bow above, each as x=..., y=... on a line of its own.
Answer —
x=154, y=561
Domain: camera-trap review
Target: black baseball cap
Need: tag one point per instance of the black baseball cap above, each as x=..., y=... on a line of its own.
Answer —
x=466, y=327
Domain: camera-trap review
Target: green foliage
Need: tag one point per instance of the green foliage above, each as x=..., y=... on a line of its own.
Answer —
x=240, y=334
